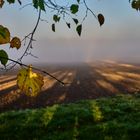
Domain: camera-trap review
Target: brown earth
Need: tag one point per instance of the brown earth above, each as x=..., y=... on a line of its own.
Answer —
x=85, y=81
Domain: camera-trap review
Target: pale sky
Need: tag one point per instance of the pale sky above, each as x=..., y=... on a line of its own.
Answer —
x=117, y=39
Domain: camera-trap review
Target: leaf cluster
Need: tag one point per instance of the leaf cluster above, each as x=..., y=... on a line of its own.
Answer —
x=4, y=39
x=73, y=10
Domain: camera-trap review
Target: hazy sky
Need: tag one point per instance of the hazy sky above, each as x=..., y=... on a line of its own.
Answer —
x=117, y=39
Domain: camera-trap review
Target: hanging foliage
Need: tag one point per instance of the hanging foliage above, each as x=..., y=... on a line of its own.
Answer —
x=29, y=81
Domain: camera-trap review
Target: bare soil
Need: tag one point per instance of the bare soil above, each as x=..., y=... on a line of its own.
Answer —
x=84, y=81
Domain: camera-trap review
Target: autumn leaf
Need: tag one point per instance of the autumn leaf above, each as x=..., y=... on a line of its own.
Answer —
x=29, y=82
x=4, y=35
x=15, y=43
x=136, y=4
x=101, y=19
x=1, y=3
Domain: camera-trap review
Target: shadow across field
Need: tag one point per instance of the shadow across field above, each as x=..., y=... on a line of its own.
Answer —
x=86, y=81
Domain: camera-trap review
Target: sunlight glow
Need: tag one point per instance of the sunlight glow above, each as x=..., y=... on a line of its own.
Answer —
x=48, y=115
x=5, y=78
x=7, y=85
x=113, y=76
x=97, y=114
x=107, y=86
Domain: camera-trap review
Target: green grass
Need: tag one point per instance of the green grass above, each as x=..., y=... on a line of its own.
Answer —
x=113, y=118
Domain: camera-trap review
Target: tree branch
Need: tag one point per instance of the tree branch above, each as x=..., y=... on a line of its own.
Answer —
x=42, y=71
x=88, y=9
x=32, y=35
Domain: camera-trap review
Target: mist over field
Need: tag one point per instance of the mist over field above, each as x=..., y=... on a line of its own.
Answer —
x=82, y=51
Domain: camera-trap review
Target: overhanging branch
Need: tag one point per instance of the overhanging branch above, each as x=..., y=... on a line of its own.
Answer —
x=42, y=71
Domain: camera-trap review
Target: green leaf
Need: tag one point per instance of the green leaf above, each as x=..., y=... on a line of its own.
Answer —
x=56, y=18
x=101, y=19
x=41, y=5
x=79, y=29
x=11, y=1
x=35, y=3
x=3, y=57
x=78, y=1
x=74, y=8
x=53, y=27
x=68, y=24
x=76, y=21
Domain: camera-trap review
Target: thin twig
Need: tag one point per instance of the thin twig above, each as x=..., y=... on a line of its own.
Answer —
x=32, y=34
x=43, y=71
x=89, y=9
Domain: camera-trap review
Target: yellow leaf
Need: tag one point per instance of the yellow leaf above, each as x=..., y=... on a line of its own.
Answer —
x=4, y=35
x=29, y=82
x=15, y=43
